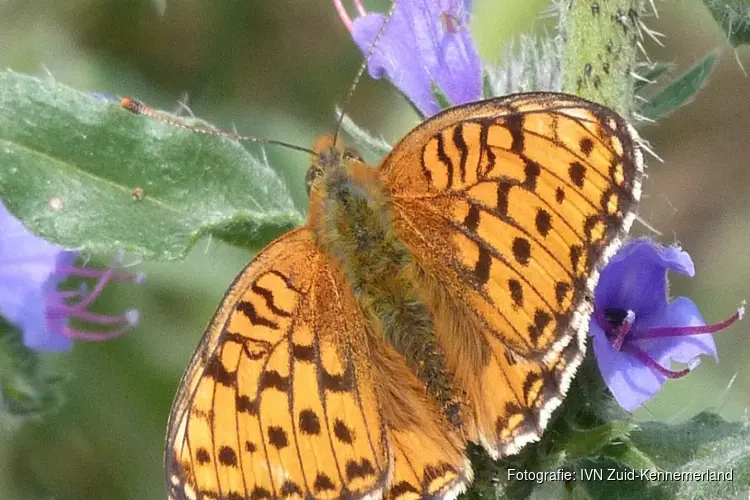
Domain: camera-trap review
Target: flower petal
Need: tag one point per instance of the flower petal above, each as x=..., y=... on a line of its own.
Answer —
x=636, y=277
x=37, y=334
x=681, y=312
x=629, y=380
x=26, y=263
x=426, y=43
x=394, y=57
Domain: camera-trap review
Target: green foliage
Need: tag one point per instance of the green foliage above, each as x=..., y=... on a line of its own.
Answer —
x=679, y=92
x=440, y=97
x=374, y=148
x=706, y=443
x=531, y=64
x=27, y=391
x=734, y=18
x=651, y=75
x=70, y=162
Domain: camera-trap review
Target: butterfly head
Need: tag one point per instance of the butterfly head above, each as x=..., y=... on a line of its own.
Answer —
x=328, y=157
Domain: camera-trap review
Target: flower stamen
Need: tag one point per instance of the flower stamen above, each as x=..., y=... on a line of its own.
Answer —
x=450, y=22
x=63, y=307
x=360, y=8
x=344, y=15
x=650, y=362
x=692, y=330
x=129, y=320
x=617, y=324
x=86, y=272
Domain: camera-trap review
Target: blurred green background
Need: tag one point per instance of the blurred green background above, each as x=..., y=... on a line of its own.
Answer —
x=277, y=69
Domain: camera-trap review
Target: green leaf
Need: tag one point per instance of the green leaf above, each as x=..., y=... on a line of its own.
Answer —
x=440, y=97
x=26, y=390
x=603, y=478
x=679, y=92
x=591, y=441
x=374, y=148
x=85, y=173
x=705, y=444
x=628, y=455
x=734, y=18
x=486, y=85
x=650, y=75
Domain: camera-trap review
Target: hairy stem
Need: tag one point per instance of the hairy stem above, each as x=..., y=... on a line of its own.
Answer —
x=599, y=50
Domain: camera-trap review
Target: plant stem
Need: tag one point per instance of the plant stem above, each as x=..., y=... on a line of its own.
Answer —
x=599, y=51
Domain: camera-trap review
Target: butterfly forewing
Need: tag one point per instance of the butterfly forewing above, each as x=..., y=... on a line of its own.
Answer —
x=278, y=400
x=509, y=207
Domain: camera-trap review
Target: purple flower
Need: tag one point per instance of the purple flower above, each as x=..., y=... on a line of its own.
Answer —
x=637, y=331
x=426, y=45
x=31, y=272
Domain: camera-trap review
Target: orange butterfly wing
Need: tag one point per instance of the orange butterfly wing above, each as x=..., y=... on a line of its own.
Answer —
x=286, y=397
x=428, y=455
x=509, y=207
x=278, y=400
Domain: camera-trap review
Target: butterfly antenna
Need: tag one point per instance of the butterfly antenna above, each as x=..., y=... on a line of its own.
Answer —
x=362, y=68
x=138, y=108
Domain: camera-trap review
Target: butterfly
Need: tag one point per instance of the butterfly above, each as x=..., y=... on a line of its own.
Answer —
x=439, y=298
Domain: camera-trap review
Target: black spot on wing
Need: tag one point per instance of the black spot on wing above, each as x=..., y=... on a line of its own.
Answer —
x=577, y=174
x=543, y=222
x=268, y=298
x=521, y=250
x=471, y=221
x=273, y=379
x=277, y=437
x=227, y=456
x=460, y=143
x=248, y=309
x=342, y=432
x=323, y=483
x=360, y=469
x=309, y=423
x=216, y=370
x=516, y=292
x=482, y=267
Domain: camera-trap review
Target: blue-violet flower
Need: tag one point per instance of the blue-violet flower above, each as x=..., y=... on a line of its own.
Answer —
x=637, y=331
x=426, y=44
x=31, y=272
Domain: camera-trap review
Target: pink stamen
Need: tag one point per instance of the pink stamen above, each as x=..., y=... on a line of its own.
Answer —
x=69, y=294
x=621, y=331
x=103, y=319
x=647, y=360
x=691, y=330
x=104, y=278
x=85, y=272
x=615, y=328
x=450, y=22
x=130, y=318
x=94, y=337
x=343, y=15
x=360, y=8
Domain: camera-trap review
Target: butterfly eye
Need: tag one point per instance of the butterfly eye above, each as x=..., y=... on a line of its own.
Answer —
x=313, y=173
x=352, y=154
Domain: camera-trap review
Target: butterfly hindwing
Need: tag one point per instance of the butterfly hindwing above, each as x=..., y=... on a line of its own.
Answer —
x=429, y=460
x=278, y=401
x=508, y=208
